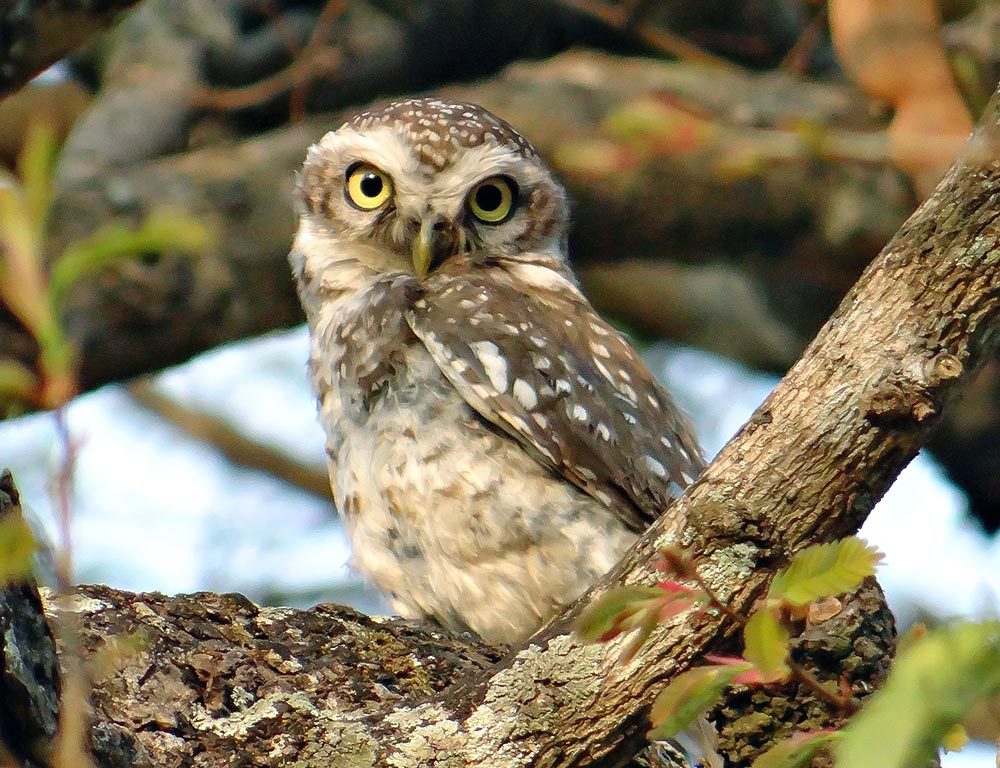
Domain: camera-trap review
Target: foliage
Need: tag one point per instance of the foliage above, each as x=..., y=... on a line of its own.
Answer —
x=17, y=546
x=36, y=296
x=817, y=572
x=933, y=683
x=824, y=570
x=937, y=676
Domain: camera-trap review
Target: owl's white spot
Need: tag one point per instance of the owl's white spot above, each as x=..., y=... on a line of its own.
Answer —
x=524, y=394
x=629, y=418
x=493, y=361
x=603, y=432
x=580, y=413
x=518, y=423
x=467, y=304
x=626, y=390
x=538, y=341
x=563, y=387
x=654, y=466
x=473, y=321
x=420, y=304
x=599, y=349
x=653, y=401
x=687, y=478
x=586, y=473
x=541, y=362
x=481, y=392
x=541, y=419
x=568, y=323
x=459, y=366
x=603, y=370
x=584, y=383
x=667, y=443
x=599, y=329
x=625, y=375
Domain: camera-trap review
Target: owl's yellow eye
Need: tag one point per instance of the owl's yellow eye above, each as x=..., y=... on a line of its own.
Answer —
x=367, y=188
x=492, y=200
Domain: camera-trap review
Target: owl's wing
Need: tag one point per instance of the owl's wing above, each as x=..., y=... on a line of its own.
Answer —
x=554, y=376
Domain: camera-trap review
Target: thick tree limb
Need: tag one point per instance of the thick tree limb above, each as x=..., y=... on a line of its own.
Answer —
x=39, y=33
x=166, y=307
x=207, y=677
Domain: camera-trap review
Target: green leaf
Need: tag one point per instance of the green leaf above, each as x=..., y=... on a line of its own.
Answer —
x=767, y=645
x=795, y=751
x=35, y=167
x=162, y=230
x=17, y=382
x=688, y=695
x=608, y=615
x=955, y=738
x=931, y=686
x=17, y=545
x=825, y=570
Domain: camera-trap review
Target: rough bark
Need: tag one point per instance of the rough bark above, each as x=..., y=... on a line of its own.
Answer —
x=212, y=679
x=807, y=467
x=29, y=681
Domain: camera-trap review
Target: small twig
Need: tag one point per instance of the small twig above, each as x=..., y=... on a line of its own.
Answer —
x=798, y=55
x=234, y=445
x=299, y=71
x=70, y=749
x=623, y=20
x=715, y=601
x=324, y=23
x=276, y=16
x=312, y=60
x=804, y=676
x=62, y=488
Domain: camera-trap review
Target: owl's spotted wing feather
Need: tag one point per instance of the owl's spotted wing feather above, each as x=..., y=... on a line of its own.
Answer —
x=558, y=379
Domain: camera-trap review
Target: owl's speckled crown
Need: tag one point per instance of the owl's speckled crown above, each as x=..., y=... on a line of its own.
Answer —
x=437, y=129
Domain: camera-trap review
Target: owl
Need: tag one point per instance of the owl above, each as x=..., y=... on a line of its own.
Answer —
x=494, y=445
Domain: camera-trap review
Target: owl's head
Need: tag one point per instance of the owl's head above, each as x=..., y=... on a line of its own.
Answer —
x=422, y=180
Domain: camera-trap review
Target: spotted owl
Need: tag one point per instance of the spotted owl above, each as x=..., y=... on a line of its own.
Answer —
x=494, y=445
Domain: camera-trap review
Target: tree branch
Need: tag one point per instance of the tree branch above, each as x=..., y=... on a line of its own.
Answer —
x=34, y=35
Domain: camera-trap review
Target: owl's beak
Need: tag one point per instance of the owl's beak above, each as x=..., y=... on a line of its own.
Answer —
x=438, y=239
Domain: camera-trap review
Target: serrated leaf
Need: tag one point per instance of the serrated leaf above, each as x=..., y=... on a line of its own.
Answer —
x=795, y=751
x=825, y=570
x=17, y=545
x=766, y=645
x=606, y=615
x=688, y=696
x=932, y=684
